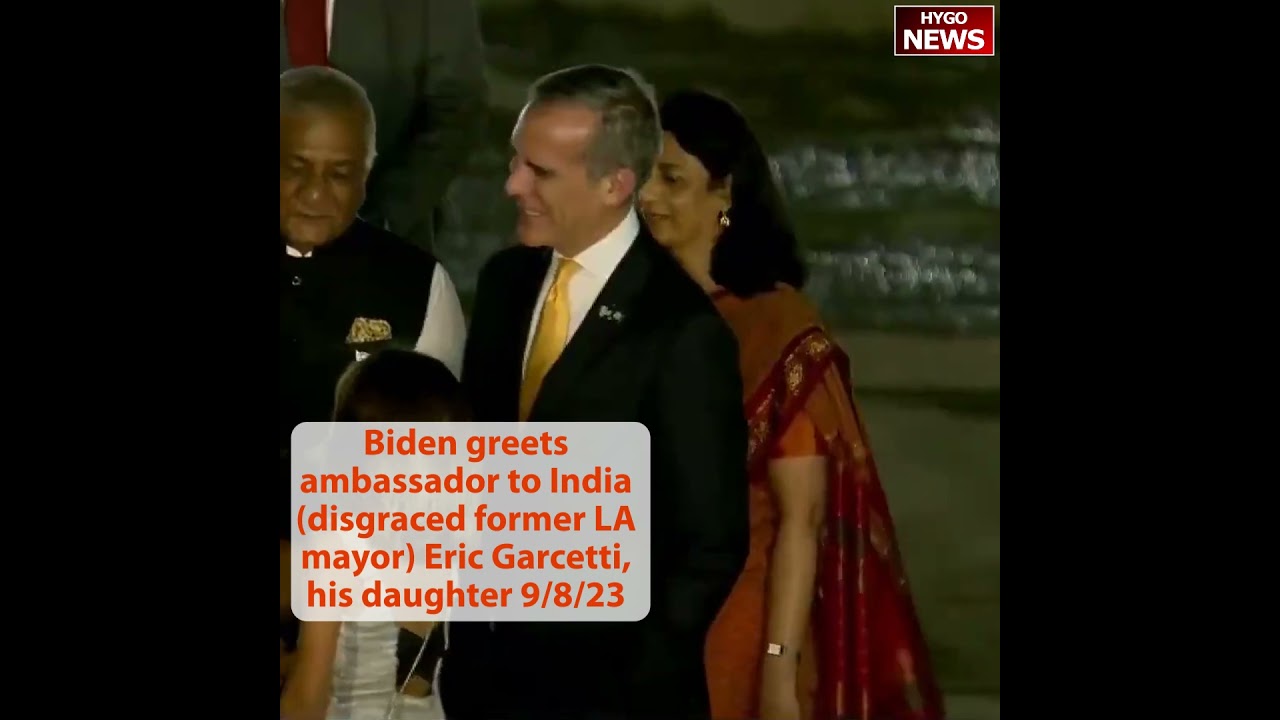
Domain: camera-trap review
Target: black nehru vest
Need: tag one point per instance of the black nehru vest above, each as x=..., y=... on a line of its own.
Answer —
x=367, y=280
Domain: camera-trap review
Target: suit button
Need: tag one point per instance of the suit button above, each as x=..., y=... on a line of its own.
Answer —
x=297, y=281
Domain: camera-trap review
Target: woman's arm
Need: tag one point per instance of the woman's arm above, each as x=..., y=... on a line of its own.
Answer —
x=800, y=487
x=307, y=689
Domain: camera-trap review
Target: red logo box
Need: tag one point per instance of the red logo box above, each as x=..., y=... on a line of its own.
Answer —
x=944, y=30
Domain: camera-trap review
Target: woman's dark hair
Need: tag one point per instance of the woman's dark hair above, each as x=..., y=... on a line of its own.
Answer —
x=399, y=386
x=758, y=249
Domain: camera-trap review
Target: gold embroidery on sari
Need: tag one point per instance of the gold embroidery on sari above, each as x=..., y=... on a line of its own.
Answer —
x=759, y=427
x=799, y=365
x=795, y=374
x=796, y=369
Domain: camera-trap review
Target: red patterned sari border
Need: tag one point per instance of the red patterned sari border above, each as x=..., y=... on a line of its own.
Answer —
x=799, y=369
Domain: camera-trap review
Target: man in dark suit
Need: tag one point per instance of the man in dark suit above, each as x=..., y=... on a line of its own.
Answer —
x=588, y=319
x=422, y=64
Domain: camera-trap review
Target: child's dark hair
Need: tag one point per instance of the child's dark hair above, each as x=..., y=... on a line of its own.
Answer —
x=399, y=386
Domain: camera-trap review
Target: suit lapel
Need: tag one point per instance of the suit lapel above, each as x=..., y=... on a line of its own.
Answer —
x=599, y=330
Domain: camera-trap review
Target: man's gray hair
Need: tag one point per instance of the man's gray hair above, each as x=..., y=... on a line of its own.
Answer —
x=328, y=90
x=629, y=136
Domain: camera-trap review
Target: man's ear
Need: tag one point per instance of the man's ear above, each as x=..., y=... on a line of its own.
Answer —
x=619, y=186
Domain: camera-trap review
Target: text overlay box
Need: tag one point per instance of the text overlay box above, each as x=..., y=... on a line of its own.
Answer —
x=524, y=522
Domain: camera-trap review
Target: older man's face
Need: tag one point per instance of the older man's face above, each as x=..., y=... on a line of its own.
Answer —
x=322, y=174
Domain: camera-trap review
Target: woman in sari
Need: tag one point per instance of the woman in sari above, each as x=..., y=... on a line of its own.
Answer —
x=821, y=624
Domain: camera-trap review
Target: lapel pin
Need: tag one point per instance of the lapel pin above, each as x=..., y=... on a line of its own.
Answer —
x=609, y=314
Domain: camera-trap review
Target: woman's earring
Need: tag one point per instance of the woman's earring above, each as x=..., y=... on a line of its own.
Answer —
x=724, y=219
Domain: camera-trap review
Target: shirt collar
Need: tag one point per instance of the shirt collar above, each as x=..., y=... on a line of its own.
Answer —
x=343, y=239
x=602, y=258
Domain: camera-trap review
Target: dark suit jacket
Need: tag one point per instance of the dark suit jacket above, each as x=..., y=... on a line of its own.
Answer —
x=671, y=364
x=422, y=64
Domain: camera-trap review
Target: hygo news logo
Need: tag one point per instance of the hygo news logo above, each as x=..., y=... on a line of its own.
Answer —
x=944, y=30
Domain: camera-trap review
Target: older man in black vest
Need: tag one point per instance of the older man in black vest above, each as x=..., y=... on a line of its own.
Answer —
x=347, y=287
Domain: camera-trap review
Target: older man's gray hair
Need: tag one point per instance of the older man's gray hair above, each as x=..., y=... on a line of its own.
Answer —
x=629, y=135
x=324, y=89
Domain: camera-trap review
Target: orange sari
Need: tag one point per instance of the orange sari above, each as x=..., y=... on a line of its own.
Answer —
x=866, y=658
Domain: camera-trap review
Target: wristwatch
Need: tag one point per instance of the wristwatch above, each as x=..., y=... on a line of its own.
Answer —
x=775, y=649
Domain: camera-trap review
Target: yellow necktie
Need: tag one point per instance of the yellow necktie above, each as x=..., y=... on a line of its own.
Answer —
x=550, y=337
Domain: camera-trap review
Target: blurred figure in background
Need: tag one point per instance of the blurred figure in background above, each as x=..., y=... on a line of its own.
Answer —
x=422, y=64
x=348, y=671
x=819, y=518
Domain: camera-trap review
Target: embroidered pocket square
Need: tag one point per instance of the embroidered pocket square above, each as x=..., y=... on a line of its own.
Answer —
x=365, y=330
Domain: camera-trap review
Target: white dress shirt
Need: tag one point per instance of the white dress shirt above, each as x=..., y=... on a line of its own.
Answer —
x=444, y=332
x=598, y=262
